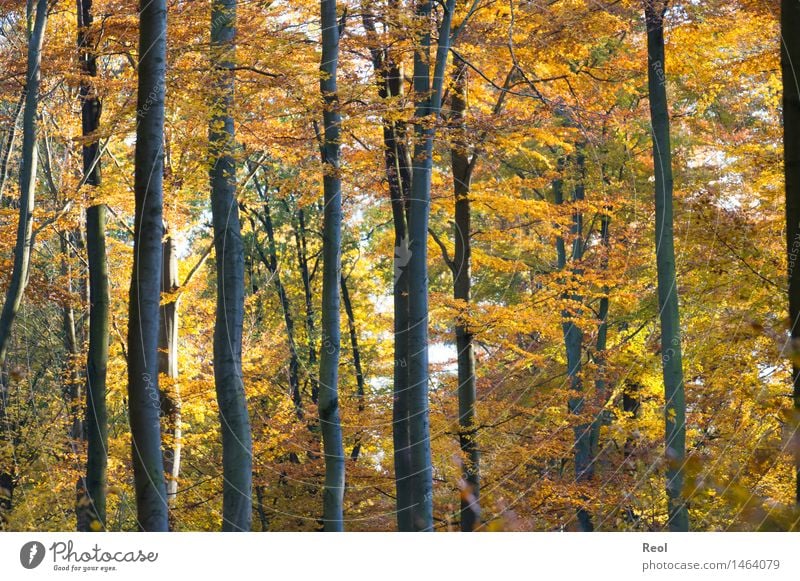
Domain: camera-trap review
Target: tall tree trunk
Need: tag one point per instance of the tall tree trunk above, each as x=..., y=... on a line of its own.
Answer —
x=168, y=366
x=398, y=174
x=790, y=61
x=270, y=260
x=305, y=275
x=461, y=167
x=22, y=250
x=96, y=367
x=145, y=291
x=330, y=424
x=360, y=389
x=428, y=97
x=8, y=148
x=237, y=456
x=573, y=335
x=94, y=484
x=601, y=387
x=630, y=405
x=27, y=183
x=675, y=404
x=72, y=388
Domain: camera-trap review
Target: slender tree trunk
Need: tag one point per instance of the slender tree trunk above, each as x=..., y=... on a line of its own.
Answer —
x=262, y=514
x=790, y=66
x=305, y=275
x=96, y=367
x=168, y=366
x=94, y=484
x=573, y=335
x=630, y=405
x=398, y=174
x=600, y=383
x=462, y=289
x=72, y=388
x=675, y=404
x=237, y=460
x=27, y=183
x=428, y=97
x=360, y=389
x=8, y=148
x=331, y=264
x=22, y=250
x=145, y=291
x=271, y=262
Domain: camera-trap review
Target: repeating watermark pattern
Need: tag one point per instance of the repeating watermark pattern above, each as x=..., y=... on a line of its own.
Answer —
x=658, y=68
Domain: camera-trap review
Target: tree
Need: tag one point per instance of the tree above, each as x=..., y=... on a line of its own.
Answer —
x=97, y=357
x=270, y=260
x=24, y=241
x=674, y=398
x=237, y=455
x=27, y=182
x=462, y=166
x=428, y=104
x=397, y=163
x=331, y=264
x=536, y=93
x=790, y=61
x=356, y=351
x=573, y=334
x=145, y=289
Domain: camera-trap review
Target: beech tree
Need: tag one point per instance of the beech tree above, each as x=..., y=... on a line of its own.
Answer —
x=674, y=398
x=331, y=263
x=24, y=239
x=428, y=85
x=790, y=68
x=145, y=290
x=491, y=390
x=97, y=356
x=397, y=162
x=237, y=447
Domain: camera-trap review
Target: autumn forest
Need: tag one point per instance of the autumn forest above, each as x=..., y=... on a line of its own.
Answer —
x=399, y=265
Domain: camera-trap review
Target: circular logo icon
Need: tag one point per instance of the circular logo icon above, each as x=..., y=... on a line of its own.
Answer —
x=31, y=554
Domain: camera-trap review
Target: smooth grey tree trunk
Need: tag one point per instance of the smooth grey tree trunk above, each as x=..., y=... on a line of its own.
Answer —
x=428, y=98
x=145, y=291
x=601, y=386
x=356, y=351
x=397, y=160
x=461, y=266
x=330, y=424
x=96, y=366
x=675, y=403
x=790, y=66
x=237, y=455
x=302, y=261
x=573, y=334
x=97, y=357
x=22, y=249
x=27, y=183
